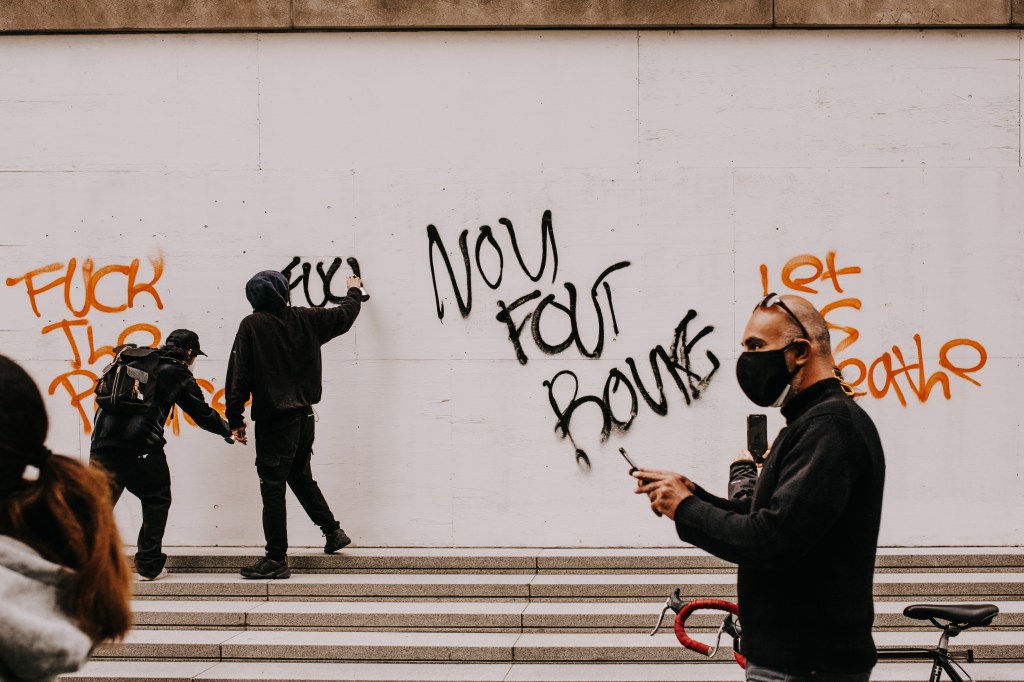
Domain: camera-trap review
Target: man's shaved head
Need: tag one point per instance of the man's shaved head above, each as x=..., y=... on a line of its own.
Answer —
x=813, y=322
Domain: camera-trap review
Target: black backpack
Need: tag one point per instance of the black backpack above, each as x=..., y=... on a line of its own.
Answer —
x=128, y=384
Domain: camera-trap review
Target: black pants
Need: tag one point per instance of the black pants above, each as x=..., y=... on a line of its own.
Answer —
x=144, y=473
x=284, y=446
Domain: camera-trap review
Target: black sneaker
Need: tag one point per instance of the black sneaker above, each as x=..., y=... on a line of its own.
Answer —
x=336, y=540
x=267, y=569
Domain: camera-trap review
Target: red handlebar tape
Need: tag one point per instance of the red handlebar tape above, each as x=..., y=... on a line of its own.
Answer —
x=706, y=604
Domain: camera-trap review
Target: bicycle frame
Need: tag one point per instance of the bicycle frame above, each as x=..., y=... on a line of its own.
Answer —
x=940, y=658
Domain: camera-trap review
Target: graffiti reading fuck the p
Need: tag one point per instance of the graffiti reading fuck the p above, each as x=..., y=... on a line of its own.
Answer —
x=807, y=274
x=88, y=291
x=597, y=302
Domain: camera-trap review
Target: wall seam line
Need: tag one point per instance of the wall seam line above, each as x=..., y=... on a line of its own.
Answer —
x=638, y=122
x=259, y=110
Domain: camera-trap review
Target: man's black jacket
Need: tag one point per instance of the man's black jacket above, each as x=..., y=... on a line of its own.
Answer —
x=805, y=540
x=276, y=357
x=175, y=385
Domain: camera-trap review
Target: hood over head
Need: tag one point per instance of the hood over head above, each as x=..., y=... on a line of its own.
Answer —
x=268, y=290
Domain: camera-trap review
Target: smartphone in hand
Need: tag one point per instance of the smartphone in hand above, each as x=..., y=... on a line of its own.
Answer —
x=757, y=436
x=632, y=465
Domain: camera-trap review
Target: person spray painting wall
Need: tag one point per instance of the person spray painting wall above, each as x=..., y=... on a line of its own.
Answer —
x=276, y=360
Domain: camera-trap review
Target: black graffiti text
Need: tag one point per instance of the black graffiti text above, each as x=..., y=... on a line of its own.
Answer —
x=486, y=240
x=571, y=312
x=677, y=363
x=323, y=288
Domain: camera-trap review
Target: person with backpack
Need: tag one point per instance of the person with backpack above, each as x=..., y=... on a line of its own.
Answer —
x=276, y=359
x=136, y=395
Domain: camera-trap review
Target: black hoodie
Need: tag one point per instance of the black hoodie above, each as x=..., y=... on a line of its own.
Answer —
x=276, y=355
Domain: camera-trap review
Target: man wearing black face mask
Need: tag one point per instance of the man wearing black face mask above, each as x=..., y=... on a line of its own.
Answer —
x=805, y=540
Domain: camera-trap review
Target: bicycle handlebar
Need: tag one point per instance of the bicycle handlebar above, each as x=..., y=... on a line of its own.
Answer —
x=700, y=647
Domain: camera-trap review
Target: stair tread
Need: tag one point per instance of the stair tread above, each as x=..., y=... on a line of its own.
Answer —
x=486, y=672
x=452, y=607
x=353, y=578
x=582, y=552
x=550, y=579
x=474, y=639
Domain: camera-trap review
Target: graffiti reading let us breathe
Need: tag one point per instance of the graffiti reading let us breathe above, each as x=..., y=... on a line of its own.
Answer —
x=88, y=291
x=807, y=274
x=532, y=307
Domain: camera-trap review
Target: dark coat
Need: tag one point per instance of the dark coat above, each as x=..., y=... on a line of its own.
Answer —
x=175, y=385
x=805, y=539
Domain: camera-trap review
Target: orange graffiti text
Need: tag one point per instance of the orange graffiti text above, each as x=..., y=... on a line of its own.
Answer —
x=886, y=372
x=78, y=331
x=90, y=281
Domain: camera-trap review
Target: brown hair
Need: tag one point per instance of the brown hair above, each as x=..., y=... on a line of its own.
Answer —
x=65, y=515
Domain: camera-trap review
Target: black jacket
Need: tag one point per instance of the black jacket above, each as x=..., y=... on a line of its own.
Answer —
x=175, y=385
x=276, y=357
x=805, y=540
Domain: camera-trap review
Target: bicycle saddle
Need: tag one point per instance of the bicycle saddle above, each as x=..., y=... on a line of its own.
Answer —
x=964, y=615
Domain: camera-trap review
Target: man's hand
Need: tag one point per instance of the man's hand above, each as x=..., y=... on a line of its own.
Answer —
x=239, y=435
x=744, y=456
x=665, y=489
x=354, y=281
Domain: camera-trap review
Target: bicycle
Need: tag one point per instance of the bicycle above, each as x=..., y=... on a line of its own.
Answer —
x=957, y=617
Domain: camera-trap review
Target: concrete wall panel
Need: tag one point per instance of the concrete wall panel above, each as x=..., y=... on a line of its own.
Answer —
x=878, y=173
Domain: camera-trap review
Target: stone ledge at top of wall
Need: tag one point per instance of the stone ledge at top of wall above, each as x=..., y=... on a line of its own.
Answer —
x=531, y=13
x=896, y=13
x=83, y=16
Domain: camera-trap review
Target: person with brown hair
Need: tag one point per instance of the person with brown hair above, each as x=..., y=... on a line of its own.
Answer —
x=64, y=580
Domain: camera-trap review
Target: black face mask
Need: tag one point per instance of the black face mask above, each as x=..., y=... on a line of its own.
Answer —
x=763, y=376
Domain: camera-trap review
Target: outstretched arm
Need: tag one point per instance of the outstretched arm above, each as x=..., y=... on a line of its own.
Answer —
x=191, y=401
x=334, y=321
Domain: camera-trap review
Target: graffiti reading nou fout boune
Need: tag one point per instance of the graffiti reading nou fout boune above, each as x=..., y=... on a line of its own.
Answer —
x=532, y=307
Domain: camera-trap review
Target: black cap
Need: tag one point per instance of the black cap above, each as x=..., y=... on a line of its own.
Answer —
x=185, y=338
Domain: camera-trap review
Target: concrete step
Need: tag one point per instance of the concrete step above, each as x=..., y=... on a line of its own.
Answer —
x=394, y=615
x=553, y=561
x=466, y=616
x=109, y=671
x=324, y=646
x=986, y=586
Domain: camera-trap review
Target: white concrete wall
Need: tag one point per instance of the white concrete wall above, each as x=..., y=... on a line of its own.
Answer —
x=697, y=157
